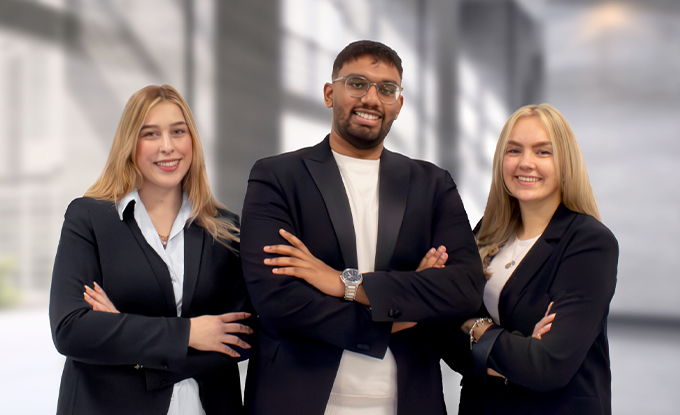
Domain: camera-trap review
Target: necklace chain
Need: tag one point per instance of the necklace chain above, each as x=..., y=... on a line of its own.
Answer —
x=513, y=257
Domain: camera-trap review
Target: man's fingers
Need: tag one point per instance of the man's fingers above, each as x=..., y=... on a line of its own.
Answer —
x=286, y=250
x=428, y=260
x=291, y=271
x=285, y=261
x=434, y=258
x=441, y=260
x=293, y=240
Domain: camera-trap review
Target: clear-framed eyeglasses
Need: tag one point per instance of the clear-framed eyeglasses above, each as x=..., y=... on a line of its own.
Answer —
x=357, y=86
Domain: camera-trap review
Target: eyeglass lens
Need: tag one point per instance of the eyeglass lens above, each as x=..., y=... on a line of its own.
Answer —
x=357, y=87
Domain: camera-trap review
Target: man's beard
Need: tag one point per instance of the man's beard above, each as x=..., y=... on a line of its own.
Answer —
x=361, y=137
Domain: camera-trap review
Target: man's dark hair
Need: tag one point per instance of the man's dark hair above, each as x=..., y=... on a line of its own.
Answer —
x=359, y=48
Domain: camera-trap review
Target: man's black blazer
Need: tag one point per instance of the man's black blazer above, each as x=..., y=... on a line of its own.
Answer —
x=573, y=263
x=103, y=350
x=302, y=331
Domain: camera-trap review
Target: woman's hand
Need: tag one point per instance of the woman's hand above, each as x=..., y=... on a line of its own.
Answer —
x=211, y=333
x=207, y=333
x=98, y=299
x=492, y=372
x=297, y=261
x=434, y=258
x=544, y=324
x=398, y=326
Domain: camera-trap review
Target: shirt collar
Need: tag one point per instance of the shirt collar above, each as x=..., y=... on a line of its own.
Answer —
x=125, y=201
x=182, y=216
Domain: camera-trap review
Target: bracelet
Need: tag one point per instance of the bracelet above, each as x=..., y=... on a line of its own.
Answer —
x=478, y=323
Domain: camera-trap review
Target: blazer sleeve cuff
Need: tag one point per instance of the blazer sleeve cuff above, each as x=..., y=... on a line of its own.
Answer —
x=382, y=309
x=481, y=352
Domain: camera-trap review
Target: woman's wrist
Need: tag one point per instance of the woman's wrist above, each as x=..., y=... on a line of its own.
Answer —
x=478, y=329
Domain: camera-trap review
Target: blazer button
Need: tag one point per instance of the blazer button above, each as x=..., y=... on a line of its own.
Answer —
x=394, y=313
x=138, y=366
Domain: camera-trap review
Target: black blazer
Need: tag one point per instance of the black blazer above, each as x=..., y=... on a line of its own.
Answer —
x=103, y=350
x=573, y=263
x=302, y=331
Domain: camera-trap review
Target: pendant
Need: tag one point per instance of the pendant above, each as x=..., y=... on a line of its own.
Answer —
x=509, y=264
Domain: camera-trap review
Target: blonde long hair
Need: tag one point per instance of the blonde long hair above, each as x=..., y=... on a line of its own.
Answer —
x=502, y=217
x=121, y=174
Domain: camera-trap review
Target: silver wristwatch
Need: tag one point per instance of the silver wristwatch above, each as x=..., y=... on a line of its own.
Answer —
x=352, y=278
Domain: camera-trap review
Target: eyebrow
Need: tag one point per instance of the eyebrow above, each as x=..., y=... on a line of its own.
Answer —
x=541, y=144
x=171, y=125
x=364, y=76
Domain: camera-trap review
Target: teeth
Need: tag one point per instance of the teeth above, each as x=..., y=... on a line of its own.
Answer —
x=367, y=116
x=528, y=179
x=167, y=163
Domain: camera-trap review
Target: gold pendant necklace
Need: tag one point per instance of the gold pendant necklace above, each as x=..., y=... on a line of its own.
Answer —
x=164, y=240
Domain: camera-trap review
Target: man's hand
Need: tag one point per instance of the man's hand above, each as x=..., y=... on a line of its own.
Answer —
x=434, y=258
x=297, y=261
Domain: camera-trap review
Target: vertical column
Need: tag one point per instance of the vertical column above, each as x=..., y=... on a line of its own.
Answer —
x=248, y=95
x=440, y=35
x=189, y=53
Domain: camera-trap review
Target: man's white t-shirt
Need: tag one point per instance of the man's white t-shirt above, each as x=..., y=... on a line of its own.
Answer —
x=363, y=385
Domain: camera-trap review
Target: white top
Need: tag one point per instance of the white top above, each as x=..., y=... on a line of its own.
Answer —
x=363, y=385
x=185, y=398
x=512, y=251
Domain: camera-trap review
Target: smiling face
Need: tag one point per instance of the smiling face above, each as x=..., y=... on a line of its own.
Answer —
x=362, y=123
x=529, y=166
x=164, y=148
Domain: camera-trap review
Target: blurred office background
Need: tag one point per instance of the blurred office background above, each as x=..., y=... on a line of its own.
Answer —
x=253, y=72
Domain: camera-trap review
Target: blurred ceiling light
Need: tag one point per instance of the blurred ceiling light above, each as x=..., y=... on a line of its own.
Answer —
x=605, y=22
x=612, y=16
x=606, y=18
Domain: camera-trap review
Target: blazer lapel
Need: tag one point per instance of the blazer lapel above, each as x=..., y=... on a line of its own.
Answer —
x=160, y=269
x=325, y=173
x=393, y=193
x=193, y=251
x=534, y=260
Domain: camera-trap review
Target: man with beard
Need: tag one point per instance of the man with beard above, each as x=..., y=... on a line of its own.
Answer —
x=338, y=250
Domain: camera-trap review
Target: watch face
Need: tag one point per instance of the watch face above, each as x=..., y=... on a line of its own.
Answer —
x=351, y=275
